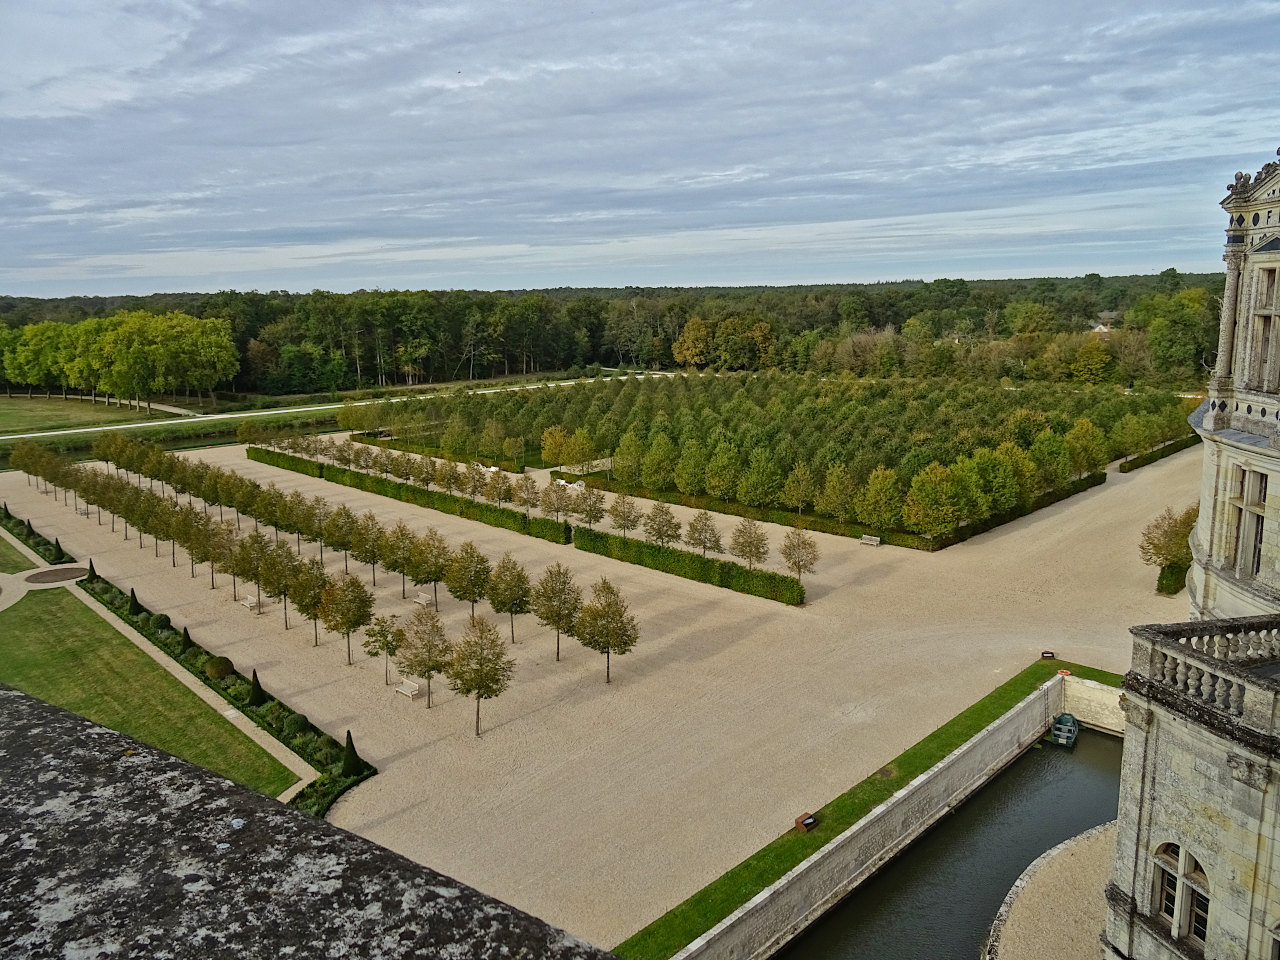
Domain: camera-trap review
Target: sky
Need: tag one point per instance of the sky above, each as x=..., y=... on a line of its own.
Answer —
x=216, y=144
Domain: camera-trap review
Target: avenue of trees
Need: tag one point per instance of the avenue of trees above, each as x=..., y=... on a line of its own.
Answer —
x=340, y=601
x=132, y=355
x=1021, y=329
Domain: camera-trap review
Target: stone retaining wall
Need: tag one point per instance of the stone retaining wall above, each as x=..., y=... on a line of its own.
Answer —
x=760, y=927
x=1094, y=704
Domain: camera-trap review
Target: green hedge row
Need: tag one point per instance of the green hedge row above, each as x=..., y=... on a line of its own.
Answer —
x=1159, y=453
x=465, y=507
x=692, y=566
x=291, y=728
x=22, y=529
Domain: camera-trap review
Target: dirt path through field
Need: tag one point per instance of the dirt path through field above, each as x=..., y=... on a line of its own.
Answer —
x=600, y=807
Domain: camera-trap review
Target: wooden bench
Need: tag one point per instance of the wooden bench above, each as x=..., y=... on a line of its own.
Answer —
x=250, y=604
x=423, y=598
x=870, y=540
x=409, y=689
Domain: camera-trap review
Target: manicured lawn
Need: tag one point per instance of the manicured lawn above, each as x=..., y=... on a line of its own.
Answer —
x=702, y=911
x=54, y=647
x=23, y=415
x=11, y=560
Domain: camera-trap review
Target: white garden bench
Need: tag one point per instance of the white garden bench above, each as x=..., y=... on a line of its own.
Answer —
x=250, y=604
x=870, y=540
x=409, y=689
x=423, y=598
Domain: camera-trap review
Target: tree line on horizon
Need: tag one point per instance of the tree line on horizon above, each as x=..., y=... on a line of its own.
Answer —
x=1034, y=329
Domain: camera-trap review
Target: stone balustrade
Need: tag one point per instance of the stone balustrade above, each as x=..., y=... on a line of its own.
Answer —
x=1213, y=664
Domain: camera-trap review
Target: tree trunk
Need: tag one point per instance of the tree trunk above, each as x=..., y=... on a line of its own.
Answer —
x=211, y=583
x=403, y=595
x=512, y=615
x=428, y=691
x=606, y=667
x=234, y=595
x=259, y=586
x=173, y=552
x=477, y=714
x=374, y=568
x=286, y=610
x=315, y=626
x=435, y=594
x=386, y=669
x=348, y=648
x=557, y=644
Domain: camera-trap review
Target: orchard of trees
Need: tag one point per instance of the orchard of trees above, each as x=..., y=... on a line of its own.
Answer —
x=340, y=601
x=1023, y=330
x=925, y=456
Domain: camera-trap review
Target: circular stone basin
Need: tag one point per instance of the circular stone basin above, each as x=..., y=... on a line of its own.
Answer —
x=57, y=575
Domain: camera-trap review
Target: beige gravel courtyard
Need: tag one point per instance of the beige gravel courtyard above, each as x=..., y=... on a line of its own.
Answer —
x=599, y=807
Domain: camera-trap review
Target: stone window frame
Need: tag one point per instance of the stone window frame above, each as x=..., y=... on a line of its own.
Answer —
x=1174, y=865
x=1248, y=504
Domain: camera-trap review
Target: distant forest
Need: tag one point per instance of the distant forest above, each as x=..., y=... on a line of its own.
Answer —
x=1163, y=327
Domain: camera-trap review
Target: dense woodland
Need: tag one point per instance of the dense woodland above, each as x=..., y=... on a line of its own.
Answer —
x=319, y=341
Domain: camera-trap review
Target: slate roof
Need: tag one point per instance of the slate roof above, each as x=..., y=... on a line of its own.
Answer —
x=112, y=848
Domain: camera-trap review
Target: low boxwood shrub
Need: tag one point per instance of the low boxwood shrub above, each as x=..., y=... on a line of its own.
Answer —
x=161, y=622
x=295, y=724
x=1172, y=579
x=692, y=566
x=219, y=668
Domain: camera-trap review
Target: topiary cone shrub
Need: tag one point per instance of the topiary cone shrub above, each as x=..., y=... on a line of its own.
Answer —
x=58, y=553
x=92, y=575
x=187, y=642
x=352, y=765
x=7, y=514
x=257, y=696
x=135, y=607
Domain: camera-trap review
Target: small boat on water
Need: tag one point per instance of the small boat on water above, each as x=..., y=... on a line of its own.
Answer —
x=1065, y=729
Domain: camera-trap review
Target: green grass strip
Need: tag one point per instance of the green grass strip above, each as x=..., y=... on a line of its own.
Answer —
x=12, y=560
x=54, y=647
x=702, y=911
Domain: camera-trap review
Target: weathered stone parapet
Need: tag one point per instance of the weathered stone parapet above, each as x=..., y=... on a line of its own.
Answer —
x=109, y=847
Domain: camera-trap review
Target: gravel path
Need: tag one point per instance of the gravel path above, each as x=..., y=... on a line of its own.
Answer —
x=600, y=807
x=1062, y=910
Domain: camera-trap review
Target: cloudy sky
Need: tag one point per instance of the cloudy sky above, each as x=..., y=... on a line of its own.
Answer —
x=209, y=144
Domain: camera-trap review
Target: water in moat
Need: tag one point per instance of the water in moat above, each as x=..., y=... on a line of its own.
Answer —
x=937, y=899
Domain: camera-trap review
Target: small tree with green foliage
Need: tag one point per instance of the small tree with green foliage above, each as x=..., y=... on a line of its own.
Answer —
x=588, y=504
x=605, y=625
x=385, y=637
x=425, y=649
x=307, y=589
x=749, y=542
x=661, y=526
x=879, y=503
x=467, y=575
x=929, y=507
x=801, y=487
x=509, y=590
x=556, y=601
x=346, y=605
x=480, y=666
x=703, y=534
x=430, y=562
x=761, y=483
x=799, y=552
x=624, y=514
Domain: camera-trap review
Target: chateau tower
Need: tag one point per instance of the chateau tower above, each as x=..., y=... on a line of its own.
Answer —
x=1236, y=543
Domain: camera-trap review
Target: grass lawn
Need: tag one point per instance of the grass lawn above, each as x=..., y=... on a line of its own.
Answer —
x=23, y=415
x=54, y=647
x=702, y=911
x=11, y=559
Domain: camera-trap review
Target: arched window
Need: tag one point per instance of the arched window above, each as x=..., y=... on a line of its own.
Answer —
x=1181, y=893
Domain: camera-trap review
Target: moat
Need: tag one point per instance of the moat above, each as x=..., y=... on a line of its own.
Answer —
x=937, y=900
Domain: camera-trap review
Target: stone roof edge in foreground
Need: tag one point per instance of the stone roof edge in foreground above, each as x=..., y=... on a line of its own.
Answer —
x=112, y=847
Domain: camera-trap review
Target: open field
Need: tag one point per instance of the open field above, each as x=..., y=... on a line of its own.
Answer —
x=54, y=647
x=23, y=414
x=732, y=715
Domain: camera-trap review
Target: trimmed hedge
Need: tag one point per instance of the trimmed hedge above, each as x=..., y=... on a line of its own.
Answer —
x=1159, y=453
x=278, y=719
x=1172, y=579
x=1046, y=499
x=51, y=552
x=692, y=566
x=465, y=507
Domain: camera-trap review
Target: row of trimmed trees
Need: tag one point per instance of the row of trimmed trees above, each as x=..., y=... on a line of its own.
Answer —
x=749, y=541
x=343, y=603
